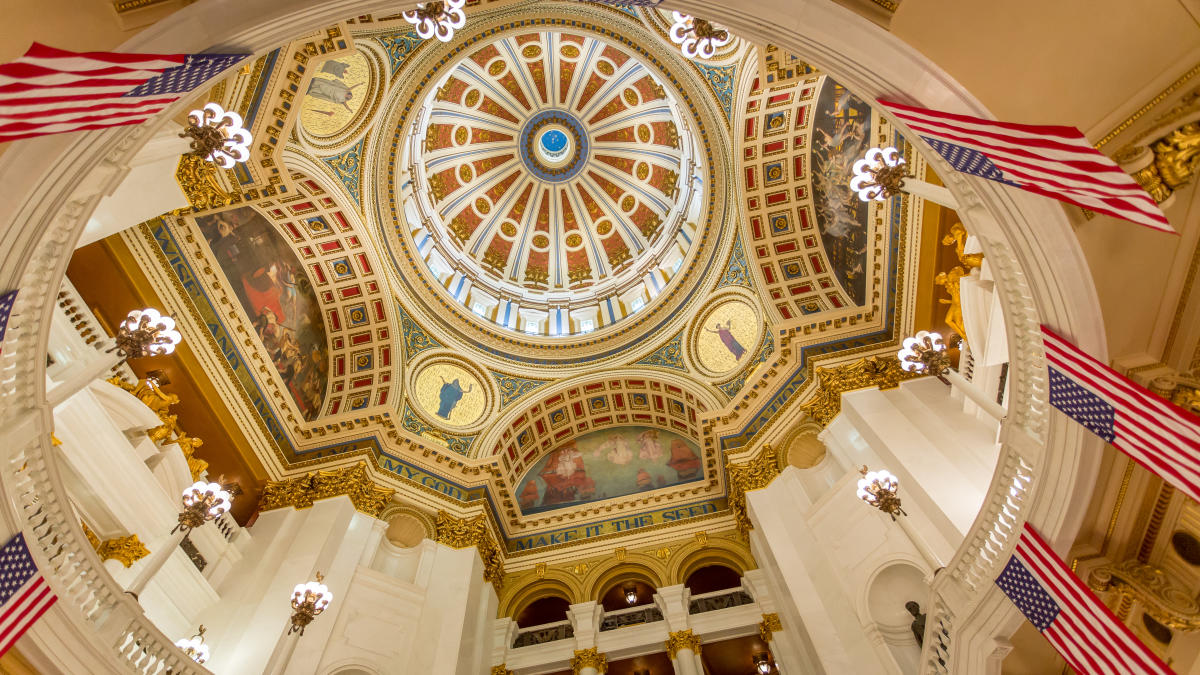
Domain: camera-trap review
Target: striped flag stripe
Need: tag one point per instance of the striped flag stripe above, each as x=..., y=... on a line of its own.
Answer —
x=23, y=125
x=1052, y=161
x=1075, y=147
x=131, y=104
x=52, y=57
x=73, y=103
x=1154, y=463
x=4, y=138
x=1120, y=649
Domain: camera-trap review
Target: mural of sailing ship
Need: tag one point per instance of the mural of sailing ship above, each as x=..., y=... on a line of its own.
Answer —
x=607, y=464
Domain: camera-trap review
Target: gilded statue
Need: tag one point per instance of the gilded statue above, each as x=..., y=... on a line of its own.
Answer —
x=958, y=237
x=949, y=281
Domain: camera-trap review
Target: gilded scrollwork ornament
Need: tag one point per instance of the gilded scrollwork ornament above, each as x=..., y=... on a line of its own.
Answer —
x=1170, y=605
x=198, y=180
x=769, y=625
x=682, y=639
x=873, y=371
x=467, y=532
x=589, y=658
x=754, y=474
x=302, y=491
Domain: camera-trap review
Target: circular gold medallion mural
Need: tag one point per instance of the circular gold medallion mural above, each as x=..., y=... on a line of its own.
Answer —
x=335, y=94
x=450, y=395
x=727, y=336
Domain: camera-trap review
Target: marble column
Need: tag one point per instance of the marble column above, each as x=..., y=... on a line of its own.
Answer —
x=683, y=646
x=589, y=662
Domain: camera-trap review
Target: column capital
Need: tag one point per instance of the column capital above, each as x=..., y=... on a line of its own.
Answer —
x=501, y=670
x=589, y=658
x=769, y=624
x=682, y=639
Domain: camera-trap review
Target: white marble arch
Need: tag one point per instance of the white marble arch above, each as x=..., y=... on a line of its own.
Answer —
x=53, y=185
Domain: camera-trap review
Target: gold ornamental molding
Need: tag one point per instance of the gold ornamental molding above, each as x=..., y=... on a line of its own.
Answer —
x=501, y=670
x=769, y=626
x=873, y=371
x=589, y=658
x=352, y=481
x=126, y=550
x=200, y=184
x=467, y=532
x=682, y=639
x=754, y=474
x=1134, y=580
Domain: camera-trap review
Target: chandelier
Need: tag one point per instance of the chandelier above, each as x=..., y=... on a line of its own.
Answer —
x=924, y=353
x=880, y=175
x=879, y=489
x=145, y=332
x=439, y=18
x=194, y=646
x=697, y=37
x=202, y=502
x=217, y=135
x=308, y=600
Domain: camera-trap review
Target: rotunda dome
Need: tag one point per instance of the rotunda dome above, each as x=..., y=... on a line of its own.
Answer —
x=556, y=186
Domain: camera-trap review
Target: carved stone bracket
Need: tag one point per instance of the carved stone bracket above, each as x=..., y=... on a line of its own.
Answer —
x=754, y=474
x=467, y=532
x=1149, y=585
x=353, y=481
x=682, y=639
x=872, y=371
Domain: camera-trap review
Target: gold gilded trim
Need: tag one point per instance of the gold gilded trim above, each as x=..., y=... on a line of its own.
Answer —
x=872, y=371
x=1116, y=131
x=768, y=626
x=352, y=481
x=682, y=639
x=589, y=658
x=752, y=475
x=467, y=532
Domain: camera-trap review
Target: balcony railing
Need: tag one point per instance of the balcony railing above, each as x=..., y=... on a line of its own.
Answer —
x=723, y=599
x=630, y=616
x=547, y=632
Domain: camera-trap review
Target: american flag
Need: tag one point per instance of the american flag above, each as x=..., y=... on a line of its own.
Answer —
x=24, y=594
x=1157, y=434
x=1068, y=615
x=6, y=305
x=1052, y=161
x=50, y=91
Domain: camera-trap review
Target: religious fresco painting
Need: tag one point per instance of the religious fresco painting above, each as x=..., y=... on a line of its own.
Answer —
x=335, y=94
x=449, y=395
x=727, y=336
x=271, y=284
x=607, y=464
x=840, y=137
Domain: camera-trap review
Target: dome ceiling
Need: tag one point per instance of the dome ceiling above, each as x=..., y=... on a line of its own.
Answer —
x=558, y=171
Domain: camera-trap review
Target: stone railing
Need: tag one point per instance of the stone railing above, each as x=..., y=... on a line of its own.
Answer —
x=722, y=599
x=630, y=616
x=541, y=634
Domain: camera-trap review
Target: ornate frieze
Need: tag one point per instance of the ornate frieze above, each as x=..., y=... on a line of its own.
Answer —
x=1149, y=585
x=301, y=492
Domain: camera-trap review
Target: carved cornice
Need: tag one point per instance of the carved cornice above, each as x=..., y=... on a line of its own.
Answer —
x=682, y=639
x=467, y=532
x=756, y=473
x=1149, y=585
x=589, y=658
x=767, y=627
x=873, y=371
x=301, y=492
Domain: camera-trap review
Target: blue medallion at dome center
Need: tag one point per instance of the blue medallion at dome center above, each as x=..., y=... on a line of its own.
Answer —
x=554, y=146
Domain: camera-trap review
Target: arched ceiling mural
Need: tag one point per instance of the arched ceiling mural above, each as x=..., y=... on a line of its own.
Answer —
x=552, y=267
